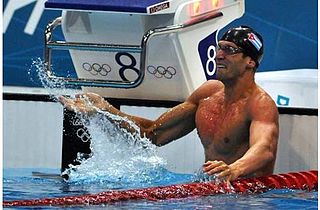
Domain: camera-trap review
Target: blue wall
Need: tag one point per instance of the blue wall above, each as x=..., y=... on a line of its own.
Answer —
x=20, y=49
x=289, y=28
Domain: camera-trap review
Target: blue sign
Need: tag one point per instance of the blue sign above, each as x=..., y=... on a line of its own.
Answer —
x=24, y=22
x=207, y=53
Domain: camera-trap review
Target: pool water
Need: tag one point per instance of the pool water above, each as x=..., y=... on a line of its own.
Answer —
x=20, y=184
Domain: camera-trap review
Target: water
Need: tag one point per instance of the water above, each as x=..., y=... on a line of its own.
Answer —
x=20, y=184
x=117, y=155
x=55, y=87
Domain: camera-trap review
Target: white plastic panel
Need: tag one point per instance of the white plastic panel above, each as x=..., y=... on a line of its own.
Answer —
x=32, y=134
x=291, y=88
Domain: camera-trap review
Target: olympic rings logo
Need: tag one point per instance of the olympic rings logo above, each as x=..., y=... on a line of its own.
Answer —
x=161, y=71
x=77, y=122
x=83, y=135
x=96, y=68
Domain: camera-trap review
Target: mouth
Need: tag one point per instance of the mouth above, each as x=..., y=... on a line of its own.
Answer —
x=221, y=66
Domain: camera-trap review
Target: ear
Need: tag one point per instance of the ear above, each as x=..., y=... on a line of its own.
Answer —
x=251, y=63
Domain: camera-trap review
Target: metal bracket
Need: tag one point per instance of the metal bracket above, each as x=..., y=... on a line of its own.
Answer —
x=142, y=49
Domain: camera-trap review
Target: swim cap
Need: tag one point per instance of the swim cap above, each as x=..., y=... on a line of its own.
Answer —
x=249, y=40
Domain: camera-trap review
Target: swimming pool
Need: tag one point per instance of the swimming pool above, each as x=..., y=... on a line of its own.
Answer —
x=19, y=184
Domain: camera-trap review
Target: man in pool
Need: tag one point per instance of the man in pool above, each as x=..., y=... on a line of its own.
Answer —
x=236, y=120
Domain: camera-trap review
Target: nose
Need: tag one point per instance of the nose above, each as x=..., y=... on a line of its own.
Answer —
x=220, y=54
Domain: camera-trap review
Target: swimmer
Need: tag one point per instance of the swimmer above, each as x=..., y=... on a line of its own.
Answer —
x=236, y=120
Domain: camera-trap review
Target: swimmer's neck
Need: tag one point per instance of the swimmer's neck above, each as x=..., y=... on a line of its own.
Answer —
x=239, y=88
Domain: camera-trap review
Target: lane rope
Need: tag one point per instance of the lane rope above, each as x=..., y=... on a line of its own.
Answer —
x=305, y=180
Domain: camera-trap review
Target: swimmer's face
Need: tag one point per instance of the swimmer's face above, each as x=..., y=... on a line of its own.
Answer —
x=230, y=60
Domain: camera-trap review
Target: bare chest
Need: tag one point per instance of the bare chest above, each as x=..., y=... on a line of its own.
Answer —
x=220, y=125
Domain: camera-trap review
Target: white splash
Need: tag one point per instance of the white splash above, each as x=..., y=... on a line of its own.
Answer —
x=54, y=85
x=117, y=155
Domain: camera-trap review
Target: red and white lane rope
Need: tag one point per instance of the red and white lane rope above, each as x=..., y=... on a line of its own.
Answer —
x=307, y=180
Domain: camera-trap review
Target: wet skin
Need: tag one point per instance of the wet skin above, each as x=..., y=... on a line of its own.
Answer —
x=223, y=130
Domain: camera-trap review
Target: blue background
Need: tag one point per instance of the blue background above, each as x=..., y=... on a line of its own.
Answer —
x=289, y=28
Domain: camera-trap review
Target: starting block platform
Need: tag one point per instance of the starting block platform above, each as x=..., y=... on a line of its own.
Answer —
x=131, y=6
x=140, y=49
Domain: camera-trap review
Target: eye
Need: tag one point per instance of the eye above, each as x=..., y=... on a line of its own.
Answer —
x=229, y=50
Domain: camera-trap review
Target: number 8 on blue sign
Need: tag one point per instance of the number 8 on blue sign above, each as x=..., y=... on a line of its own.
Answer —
x=207, y=53
x=211, y=59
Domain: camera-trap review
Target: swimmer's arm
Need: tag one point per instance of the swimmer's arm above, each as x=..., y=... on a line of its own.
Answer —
x=171, y=125
x=264, y=133
x=91, y=103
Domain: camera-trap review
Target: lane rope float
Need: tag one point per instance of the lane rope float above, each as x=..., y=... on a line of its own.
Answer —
x=305, y=180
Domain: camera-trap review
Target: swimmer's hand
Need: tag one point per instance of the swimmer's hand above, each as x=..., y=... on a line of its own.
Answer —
x=88, y=103
x=223, y=170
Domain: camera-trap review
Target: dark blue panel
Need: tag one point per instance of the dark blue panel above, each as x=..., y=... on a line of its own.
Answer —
x=136, y=6
x=21, y=49
x=289, y=29
x=206, y=50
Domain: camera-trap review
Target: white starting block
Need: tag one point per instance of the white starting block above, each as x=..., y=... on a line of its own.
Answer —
x=150, y=49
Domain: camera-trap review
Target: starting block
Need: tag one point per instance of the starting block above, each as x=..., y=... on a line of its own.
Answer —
x=145, y=49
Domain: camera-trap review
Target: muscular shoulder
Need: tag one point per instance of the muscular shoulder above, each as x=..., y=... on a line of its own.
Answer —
x=205, y=90
x=262, y=107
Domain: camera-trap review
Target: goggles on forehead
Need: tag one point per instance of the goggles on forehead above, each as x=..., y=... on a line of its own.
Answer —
x=229, y=50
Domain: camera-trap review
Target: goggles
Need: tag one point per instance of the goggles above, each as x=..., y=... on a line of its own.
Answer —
x=229, y=50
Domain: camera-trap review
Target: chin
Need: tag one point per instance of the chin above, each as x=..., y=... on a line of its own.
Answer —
x=219, y=76
x=222, y=78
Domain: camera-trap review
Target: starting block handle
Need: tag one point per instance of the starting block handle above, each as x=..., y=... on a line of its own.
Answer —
x=142, y=49
x=62, y=45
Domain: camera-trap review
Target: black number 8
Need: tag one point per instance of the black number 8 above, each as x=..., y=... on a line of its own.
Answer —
x=124, y=66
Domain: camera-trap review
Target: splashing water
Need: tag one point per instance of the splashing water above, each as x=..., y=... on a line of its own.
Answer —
x=54, y=86
x=117, y=155
x=201, y=177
